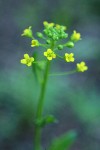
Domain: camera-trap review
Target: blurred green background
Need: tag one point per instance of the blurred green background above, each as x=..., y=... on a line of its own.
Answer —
x=73, y=99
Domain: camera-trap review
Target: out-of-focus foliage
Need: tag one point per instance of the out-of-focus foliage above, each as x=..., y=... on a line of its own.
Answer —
x=64, y=142
x=85, y=104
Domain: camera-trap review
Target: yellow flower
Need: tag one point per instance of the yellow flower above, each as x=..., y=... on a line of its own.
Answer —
x=58, y=26
x=27, y=32
x=69, y=57
x=75, y=36
x=34, y=43
x=81, y=67
x=27, y=60
x=46, y=24
x=64, y=27
x=49, y=54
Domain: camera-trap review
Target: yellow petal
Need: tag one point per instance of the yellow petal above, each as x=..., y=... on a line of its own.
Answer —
x=23, y=61
x=66, y=54
x=45, y=53
x=45, y=23
x=86, y=68
x=26, y=56
x=71, y=54
x=32, y=45
x=78, y=64
x=51, y=24
x=67, y=60
x=31, y=59
x=74, y=31
x=54, y=55
x=49, y=58
x=72, y=59
x=82, y=63
x=29, y=64
x=58, y=26
x=49, y=51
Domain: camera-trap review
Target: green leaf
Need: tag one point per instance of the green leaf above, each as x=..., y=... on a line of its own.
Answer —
x=63, y=142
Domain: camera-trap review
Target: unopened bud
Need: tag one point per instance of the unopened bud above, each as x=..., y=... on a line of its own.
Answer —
x=70, y=44
x=60, y=47
x=39, y=34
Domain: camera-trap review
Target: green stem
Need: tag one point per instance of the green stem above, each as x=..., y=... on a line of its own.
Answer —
x=59, y=56
x=64, y=73
x=39, y=112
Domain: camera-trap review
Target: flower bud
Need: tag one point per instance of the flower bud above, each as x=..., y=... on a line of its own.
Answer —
x=50, y=35
x=70, y=44
x=39, y=34
x=55, y=37
x=48, y=41
x=60, y=47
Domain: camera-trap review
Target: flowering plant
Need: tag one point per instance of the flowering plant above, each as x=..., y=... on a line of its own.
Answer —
x=52, y=35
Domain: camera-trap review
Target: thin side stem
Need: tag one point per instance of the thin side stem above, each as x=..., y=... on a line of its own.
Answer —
x=64, y=73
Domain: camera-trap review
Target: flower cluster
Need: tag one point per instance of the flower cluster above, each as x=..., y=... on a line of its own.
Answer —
x=55, y=32
x=52, y=35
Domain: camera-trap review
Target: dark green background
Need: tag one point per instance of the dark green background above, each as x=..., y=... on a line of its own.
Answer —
x=73, y=99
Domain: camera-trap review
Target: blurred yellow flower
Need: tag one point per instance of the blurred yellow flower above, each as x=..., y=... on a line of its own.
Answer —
x=49, y=54
x=75, y=36
x=46, y=24
x=27, y=60
x=60, y=27
x=34, y=43
x=81, y=67
x=69, y=57
x=27, y=32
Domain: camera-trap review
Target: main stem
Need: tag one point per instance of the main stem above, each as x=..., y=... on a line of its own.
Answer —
x=37, y=141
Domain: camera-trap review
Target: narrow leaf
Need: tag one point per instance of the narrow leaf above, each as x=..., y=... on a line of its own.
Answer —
x=63, y=142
